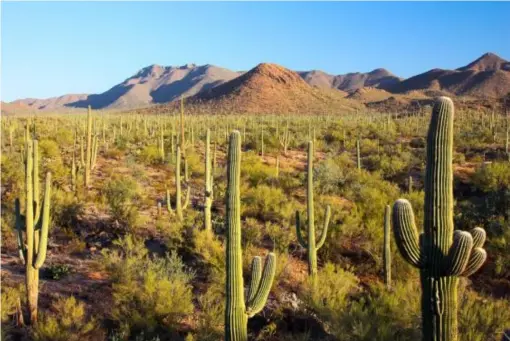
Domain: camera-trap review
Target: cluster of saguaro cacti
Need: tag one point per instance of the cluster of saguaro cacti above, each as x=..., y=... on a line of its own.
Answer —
x=441, y=254
x=309, y=244
x=179, y=206
x=237, y=311
x=34, y=224
x=208, y=183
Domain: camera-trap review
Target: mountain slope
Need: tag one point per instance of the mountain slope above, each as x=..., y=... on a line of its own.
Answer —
x=159, y=84
x=270, y=88
x=52, y=103
x=350, y=81
x=488, y=76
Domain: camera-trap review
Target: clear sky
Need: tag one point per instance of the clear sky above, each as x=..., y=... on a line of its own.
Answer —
x=54, y=48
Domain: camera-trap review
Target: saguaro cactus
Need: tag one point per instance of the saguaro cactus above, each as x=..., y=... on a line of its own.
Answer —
x=35, y=223
x=208, y=183
x=387, y=247
x=88, y=160
x=441, y=254
x=310, y=244
x=237, y=312
x=178, y=204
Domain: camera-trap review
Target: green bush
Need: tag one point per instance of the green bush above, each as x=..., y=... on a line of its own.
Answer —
x=121, y=194
x=267, y=203
x=67, y=321
x=148, y=293
x=483, y=318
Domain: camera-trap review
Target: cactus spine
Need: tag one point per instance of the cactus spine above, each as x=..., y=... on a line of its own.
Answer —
x=237, y=311
x=208, y=183
x=387, y=247
x=441, y=254
x=35, y=224
x=88, y=160
x=310, y=244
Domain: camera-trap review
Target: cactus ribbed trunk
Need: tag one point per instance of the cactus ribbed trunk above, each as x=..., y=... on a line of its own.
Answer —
x=34, y=224
x=178, y=205
x=312, y=256
x=237, y=312
x=89, y=148
x=236, y=320
x=440, y=317
x=310, y=243
x=208, y=183
x=441, y=254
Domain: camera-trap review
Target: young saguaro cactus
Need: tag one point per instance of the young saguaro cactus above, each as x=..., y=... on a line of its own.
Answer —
x=35, y=224
x=237, y=311
x=179, y=207
x=88, y=161
x=441, y=254
x=310, y=244
x=208, y=183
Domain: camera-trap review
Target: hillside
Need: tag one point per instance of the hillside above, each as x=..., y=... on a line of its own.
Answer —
x=52, y=103
x=488, y=76
x=350, y=81
x=270, y=88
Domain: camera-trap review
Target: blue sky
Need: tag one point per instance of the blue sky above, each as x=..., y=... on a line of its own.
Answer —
x=54, y=48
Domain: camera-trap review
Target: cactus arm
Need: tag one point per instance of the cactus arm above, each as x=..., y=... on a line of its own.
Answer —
x=19, y=231
x=478, y=257
x=257, y=303
x=325, y=228
x=479, y=236
x=186, y=198
x=45, y=222
x=300, y=238
x=406, y=234
x=460, y=251
x=256, y=275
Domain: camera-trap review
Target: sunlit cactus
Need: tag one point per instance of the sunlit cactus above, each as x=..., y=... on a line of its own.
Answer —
x=441, y=254
x=237, y=311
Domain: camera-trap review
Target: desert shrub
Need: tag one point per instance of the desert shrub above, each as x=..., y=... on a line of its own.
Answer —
x=121, y=194
x=330, y=297
x=267, y=203
x=482, y=318
x=369, y=195
x=254, y=171
x=66, y=209
x=148, y=293
x=252, y=232
x=332, y=173
x=211, y=316
x=66, y=321
x=280, y=236
x=379, y=315
x=149, y=155
x=58, y=271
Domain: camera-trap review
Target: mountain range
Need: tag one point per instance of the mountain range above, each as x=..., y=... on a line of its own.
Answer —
x=269, y=87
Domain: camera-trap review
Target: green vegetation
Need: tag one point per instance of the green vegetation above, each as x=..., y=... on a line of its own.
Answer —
x=153, y=226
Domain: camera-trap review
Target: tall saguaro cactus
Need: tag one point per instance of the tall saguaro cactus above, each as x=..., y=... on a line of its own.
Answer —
x=88, y=160
x=310, y=244
x=208, y=183
x=441, y=254
x=179, y=206
x=35, y=223
x=387, y=247
x=237, y=311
